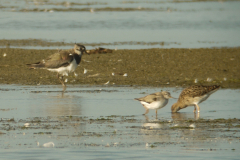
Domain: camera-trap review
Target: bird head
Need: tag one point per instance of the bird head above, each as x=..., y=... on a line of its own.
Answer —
x=79, y=49
x=166, y=95
x=177, y=106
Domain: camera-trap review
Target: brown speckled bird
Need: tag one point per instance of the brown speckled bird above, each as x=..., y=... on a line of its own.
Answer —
x=192, y=96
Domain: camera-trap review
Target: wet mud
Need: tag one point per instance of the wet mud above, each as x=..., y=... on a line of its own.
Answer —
x=144, y=67
x=159, y=133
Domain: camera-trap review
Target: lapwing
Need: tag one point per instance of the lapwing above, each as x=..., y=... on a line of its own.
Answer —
x=192, y=96
x=63, y=62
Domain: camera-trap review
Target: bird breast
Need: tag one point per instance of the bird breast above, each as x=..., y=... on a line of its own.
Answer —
x=155, y=104
x=65, y=70
x=196, y=100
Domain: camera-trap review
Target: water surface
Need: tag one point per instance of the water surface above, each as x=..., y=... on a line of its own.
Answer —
x=123, y=24
x=98, y=122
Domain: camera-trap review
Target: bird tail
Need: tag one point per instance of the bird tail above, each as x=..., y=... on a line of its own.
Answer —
x=213, y=88
x=137, y=99
x=35, y=65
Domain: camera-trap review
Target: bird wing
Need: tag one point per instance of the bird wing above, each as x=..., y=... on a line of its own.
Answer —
x=150, y=98
x=66, y=55
x=60, y=59
x=197, y=91
x=56, y=60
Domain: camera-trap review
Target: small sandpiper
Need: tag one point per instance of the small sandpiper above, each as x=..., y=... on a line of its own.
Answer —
x=192, y=96
x=155, y=101
x=62, y=62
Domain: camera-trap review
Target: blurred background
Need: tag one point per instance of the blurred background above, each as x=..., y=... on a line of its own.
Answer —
x=119, y=24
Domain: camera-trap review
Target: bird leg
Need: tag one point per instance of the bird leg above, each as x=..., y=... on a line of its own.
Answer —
x=196, y=116
x=64, y=88
x=196, y=107
x=61, y=80
x=146, y=117
x=147, y=110
x=156, y=113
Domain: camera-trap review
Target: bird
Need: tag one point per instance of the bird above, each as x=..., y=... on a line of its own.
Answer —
x=63, y=62
x=192, y=96
x=155, y=101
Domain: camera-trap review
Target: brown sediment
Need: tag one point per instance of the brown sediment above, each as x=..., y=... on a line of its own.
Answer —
x=144, y=67
x=13, y=43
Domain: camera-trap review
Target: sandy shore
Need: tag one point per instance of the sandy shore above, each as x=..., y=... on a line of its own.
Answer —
x=145, y=67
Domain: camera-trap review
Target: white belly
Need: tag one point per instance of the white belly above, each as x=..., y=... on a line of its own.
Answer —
x=155, y=104
x=65, y=70
x=197, y=100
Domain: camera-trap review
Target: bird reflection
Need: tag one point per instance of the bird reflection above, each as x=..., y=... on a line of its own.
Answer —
x=59, y=110
x=64, y=104
x=151, y=131
x=151, y=124
x=193, y=135
x=50, y=104
x=185, y=116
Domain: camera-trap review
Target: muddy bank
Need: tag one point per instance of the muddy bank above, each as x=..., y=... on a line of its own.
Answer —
x=18, y=43
x=145, y=67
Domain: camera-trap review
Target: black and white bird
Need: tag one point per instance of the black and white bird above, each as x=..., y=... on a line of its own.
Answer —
x=63, y=62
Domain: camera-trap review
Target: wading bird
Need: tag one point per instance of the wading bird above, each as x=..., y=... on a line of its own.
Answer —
x=155, y=101
x=192, y=96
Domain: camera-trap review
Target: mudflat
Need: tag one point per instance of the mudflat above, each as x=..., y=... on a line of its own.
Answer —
x=143, y=67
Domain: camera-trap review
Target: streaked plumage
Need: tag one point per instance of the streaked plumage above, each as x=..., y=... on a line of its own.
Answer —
x=155, y=101
x=63, y=62
x=192, y=96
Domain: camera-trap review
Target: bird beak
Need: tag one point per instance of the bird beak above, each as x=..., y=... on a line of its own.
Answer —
x=172, y=97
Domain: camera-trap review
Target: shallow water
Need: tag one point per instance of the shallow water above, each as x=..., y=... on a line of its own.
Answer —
x=123, y=24
x=99, y=122
x=104, y=101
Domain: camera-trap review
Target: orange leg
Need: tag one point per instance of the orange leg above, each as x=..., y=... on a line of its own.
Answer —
x=198, y=108
x=196, y=116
